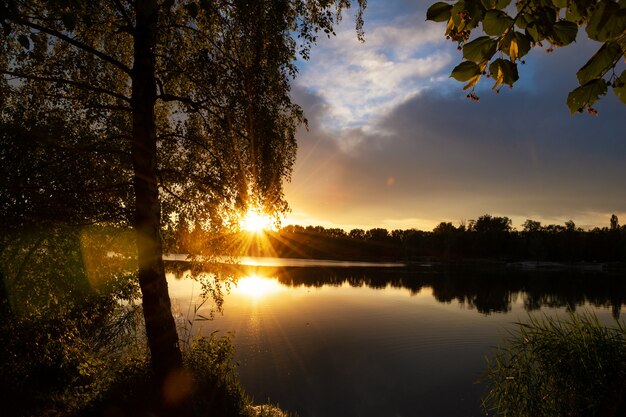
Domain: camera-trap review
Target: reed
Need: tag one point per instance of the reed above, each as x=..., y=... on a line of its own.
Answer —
x=571, y=366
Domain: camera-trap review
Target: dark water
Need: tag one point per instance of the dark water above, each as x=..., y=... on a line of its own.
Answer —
x=332, y=341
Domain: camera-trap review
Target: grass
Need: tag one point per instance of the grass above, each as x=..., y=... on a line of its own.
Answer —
x=559, y=367
x=207, y=386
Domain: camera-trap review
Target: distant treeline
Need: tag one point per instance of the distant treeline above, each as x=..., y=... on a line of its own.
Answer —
x=488, y=237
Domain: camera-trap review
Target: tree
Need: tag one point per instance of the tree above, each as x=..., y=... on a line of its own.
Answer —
x=187, y=102
x=531, y=226
x=614, y=222
x=510, y=33
x=492, y=224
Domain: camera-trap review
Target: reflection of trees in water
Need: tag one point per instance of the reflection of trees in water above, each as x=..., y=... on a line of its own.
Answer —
x=486, y=291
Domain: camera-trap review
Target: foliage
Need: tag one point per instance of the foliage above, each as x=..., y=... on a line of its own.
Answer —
x=557, y=367
x=225, y=123
x=71, y=341
x=488, y=237
x=207, y=385
x=186, y=103
x=70, y=324
x=511, y=32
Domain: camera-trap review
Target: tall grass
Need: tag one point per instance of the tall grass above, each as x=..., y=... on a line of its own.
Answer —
x=559, y=367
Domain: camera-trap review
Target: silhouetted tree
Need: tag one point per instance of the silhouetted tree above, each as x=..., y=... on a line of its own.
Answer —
x=194, y=96
x=358, y=234
x=570, y=226
x=614, y=222
x=531, y=226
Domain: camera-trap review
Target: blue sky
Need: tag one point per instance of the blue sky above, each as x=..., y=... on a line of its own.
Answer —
x=393, y=142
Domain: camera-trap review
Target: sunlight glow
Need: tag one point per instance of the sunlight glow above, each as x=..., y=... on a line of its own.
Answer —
x=256, y=221
x=257, y=287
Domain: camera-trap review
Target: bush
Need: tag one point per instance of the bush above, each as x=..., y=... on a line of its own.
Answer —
x=559, y=367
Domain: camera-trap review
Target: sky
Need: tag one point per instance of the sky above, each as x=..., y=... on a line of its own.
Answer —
x=393, y=142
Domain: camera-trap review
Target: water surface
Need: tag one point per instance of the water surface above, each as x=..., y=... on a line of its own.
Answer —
x=339, y=340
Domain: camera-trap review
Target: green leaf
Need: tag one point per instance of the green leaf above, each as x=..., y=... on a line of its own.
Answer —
x=24, y=41
x=504, y=72
x=439, y=12
x=607, y=22
x=472, y=82
x=465, y=71
x=69, y=21
x=495, y=4
x=523, y=43
x=496, y=22
x=458, y=7
x=600, y=62
x=533, y=32
x=560, y=3
x=480, y=49
x=515, y=45
x=575, y=14
x=564, y=32
x=472, y=8
x=619, y=88
x=585, y=95
x=523, y=19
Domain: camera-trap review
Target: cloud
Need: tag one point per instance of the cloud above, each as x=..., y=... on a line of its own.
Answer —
x=361, y=81
x=393, y=142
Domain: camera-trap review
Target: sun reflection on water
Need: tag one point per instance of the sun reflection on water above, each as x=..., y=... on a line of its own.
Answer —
x=257, y=287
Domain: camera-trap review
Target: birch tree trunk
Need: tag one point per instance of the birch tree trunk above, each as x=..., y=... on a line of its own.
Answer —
x=160, y=325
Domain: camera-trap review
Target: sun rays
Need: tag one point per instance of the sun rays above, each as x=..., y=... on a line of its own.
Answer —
x=255, y=221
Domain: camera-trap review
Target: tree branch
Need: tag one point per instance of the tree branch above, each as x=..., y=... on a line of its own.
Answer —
x=77, y=84
x=122, y=11
x=71, y=41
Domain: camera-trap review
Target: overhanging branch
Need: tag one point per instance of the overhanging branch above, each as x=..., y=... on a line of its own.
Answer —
x=80, y=45
x=77, y=84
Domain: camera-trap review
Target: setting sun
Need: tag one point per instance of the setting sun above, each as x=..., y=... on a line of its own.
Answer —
x=256, y=221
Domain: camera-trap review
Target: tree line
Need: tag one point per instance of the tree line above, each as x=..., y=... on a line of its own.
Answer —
x=487, y=237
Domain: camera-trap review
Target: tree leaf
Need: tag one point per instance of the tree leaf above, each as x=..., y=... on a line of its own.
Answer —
x=467, y=14
x=465, y=71
x=439, y=12
x=480, y=49
x=607, y=22
x=24, y=41
x=560, y=3
x=523, y=44
x=523, y=19
x=600, y=62
x=504, y=72
x=564, y=32
x=585, y=95
x=532, y=31
x=496, y=22
x=495, y=4
x=619, y=88
x=576, y=14
x=472, y=82
x=513, y=50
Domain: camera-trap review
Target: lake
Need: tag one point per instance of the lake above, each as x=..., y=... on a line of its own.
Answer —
x=332, y=339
